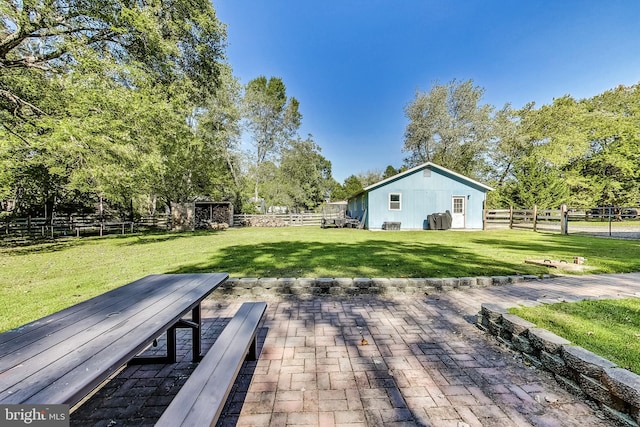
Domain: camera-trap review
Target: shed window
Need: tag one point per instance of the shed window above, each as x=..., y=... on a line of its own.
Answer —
x=458, y=205
x=395, y=201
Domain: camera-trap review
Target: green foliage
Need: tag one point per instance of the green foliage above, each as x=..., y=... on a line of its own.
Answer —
x=389, y=172
x=450, y=127
x=219, y=127
x=169, y=39
x=370, y=177
x=306, y=173
x=115, y=100
x=585, y=152
x=301, y=181
x=608, y=328
x=352, y=186
x=612, y=123
x=336, y=191
x=511, y=142
x=271, y=119
x=535, y=183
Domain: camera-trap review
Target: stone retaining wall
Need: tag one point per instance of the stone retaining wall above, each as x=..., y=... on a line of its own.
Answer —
x=265, y=286
x=616, y=390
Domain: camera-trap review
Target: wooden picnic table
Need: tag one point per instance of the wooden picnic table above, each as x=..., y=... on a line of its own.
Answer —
x=61, y=358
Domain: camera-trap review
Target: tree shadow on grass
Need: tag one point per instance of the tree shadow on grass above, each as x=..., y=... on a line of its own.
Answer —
x=371, y=258
x=39, y=246
x=164, y=236
x=137, y=239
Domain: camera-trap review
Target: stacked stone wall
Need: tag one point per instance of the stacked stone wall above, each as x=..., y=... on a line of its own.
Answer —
x=616, y=390
x=265, y=286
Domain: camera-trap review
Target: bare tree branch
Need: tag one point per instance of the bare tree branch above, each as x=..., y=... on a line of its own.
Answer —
x=20, y=102
x=17, y=135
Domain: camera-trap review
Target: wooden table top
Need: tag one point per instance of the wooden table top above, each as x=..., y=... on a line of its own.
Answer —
x=62, y=357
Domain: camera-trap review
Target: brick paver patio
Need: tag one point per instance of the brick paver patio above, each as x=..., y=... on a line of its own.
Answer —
x=372, y=360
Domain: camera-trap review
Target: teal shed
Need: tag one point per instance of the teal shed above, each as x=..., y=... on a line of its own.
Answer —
x=407, y=199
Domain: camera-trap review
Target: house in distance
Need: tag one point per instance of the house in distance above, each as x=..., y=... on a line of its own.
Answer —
x=407, y=200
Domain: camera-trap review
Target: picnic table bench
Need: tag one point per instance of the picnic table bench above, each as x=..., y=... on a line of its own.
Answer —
x=201, y=399
x=62, y=357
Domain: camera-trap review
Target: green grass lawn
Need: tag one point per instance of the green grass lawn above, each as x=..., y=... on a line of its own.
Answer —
x=42, y=278
x=609, y=328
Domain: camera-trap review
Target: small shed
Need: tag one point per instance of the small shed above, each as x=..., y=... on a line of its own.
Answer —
x=201, y=215
x=407, y=200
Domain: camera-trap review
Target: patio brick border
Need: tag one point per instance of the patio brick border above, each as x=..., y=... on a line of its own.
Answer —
x=337, y=286
x=614, y=389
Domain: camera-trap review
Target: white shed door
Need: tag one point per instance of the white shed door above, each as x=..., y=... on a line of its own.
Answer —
x=458, y=211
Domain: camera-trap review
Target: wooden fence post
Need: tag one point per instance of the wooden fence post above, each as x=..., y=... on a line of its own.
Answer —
x=511, y=217
x=484, y=214
x=535, y=217
x=564, y=220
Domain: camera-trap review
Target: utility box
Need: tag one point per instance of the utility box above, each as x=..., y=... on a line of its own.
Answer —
x=387, y=225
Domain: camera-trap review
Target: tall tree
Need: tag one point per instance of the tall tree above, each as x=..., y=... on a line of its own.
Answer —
x=352, y=186
x=271, y=119
x=306, y=173
x=390, y=171
x=512, y=142
x=336, y=191
x=95, y=96
x=219, y=127
x=587, y=147
x=612, y=126
x=532, y=151
x=168, y=37
x=450, y=127
x=370, y=177
x=536, y=183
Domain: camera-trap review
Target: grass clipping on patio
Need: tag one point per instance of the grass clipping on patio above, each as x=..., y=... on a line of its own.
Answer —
x=609, y=328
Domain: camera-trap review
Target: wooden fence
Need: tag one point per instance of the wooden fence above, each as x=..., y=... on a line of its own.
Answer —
x=278, y=220
x=533, y=219
x=555, y=220
x=32, y=227
x=590, y=220
x=80, y=225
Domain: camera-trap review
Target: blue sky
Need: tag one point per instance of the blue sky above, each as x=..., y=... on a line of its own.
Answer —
x=355, y=64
